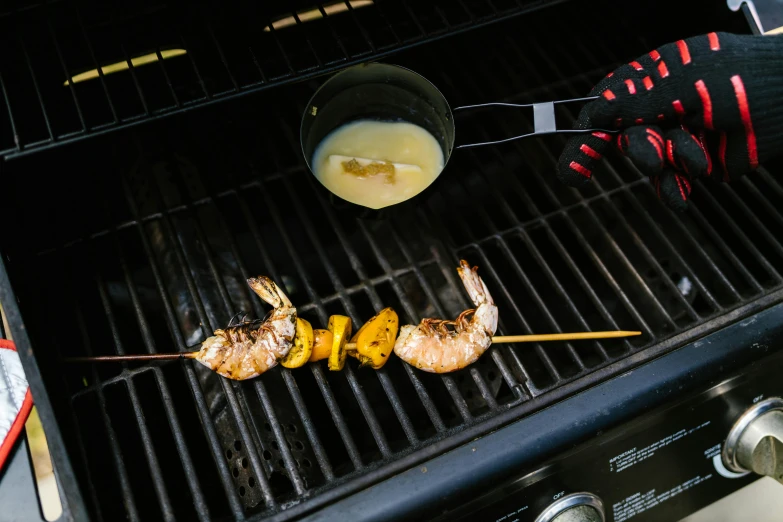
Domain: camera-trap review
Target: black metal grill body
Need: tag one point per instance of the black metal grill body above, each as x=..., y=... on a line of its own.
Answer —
x=139, y=241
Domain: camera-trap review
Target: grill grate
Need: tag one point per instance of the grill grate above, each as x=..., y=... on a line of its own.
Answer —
x=153, y=259
x=48, y=46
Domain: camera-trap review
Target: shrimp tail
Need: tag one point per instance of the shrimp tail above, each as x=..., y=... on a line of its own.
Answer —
x=269, y=291
x=474, y=285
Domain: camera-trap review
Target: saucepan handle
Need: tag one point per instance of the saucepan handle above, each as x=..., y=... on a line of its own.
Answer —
x=543, y=120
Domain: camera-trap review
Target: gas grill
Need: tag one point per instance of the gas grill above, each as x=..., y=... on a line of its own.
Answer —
x=130, y=232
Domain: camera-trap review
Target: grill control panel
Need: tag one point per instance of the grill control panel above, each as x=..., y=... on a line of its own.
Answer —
x=664, y=465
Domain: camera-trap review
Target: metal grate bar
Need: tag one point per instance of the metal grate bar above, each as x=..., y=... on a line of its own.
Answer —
x=266, y=403
x=146, y=439
x=277, y=430
x=196, y=70
x=177, y=432
x=331, y=403
x=247, y=19
x=287, y=60
x=67, y=76
x=337, y=416
x=486, y=393
x=716, y=238
x=498, y=358
x=762, y=200
x=591, y=252
x=377, y=304
x=132, y=71
x=393, y=31
x=185, y=261
x=509, y=350
x=431, y=295
x=337, y=39
x=639, y=243
x=533, y=207
x=164, y=70
x=309, y=426
x=553, y=372
x=415, y=19
x=605, y=233
x=743, y=238
x=425, y=284
x=116, y=452
x=694, y=243
x=98, y=67
x=459, y=401
x=510, y=258
x=219, y=48
x=653, y=226
x=82, y=446
x=758, y=224
x=770, y=181
x=293, y=389
x=536, y=296
x=656, y=226
x=307, y=38
x=448, y=382
x=44, y=114
x=369, y=416
x=361, y=398
x=11, y=120
x=375, y=300
x=366, y=36
x=470, y=14
x=201, y=404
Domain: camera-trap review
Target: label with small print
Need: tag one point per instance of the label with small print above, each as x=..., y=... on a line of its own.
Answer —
x=634, y=456
x=641, y=502
x=512, y=517
x=711, y=452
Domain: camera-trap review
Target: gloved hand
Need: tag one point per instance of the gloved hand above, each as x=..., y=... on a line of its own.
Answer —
x=710, y=106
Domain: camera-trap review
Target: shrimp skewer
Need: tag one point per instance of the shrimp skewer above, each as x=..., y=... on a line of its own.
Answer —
x=433, y=346
x=246, y=349
x=249, y=349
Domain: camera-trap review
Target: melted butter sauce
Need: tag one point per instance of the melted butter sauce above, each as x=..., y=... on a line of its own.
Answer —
x=416, y=152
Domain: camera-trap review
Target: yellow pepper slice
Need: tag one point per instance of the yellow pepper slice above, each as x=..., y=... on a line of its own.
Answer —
x=375, y=339
x=302, y=349
x=340, y=326
x=322, y=345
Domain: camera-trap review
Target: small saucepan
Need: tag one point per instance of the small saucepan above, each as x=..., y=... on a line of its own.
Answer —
x=384, y=92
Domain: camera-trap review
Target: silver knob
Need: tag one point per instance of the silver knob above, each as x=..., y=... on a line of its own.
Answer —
x=576, y=507
x=755, y=442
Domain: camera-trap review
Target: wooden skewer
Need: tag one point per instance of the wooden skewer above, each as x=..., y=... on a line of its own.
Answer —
x=576, y=336
x=134, y=357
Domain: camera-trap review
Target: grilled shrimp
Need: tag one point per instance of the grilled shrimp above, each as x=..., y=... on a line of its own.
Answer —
x=251, y=348
x=433, y=347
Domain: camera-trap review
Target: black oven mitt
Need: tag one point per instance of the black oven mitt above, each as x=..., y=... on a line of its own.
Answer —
x=709, y=106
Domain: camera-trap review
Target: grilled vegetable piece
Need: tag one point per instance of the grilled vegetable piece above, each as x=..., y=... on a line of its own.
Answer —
x=375, y=339
x=340, y=326
x=303, y=345
x=322, y=345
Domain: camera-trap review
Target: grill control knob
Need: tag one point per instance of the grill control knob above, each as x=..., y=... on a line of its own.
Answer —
x=755, y=442
x=576, y=507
